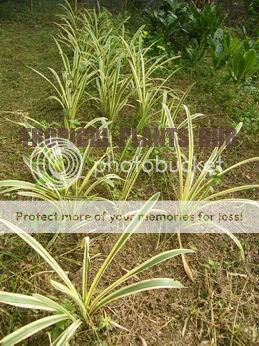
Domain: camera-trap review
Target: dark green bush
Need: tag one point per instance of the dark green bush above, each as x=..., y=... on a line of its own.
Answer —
x=182, y=27
x=238, y=54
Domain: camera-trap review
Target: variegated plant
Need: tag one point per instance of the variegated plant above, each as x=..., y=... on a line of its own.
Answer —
x=195, y=186
x=147, y=89
x=70, y=86
x=44, y=188
x=90, y=301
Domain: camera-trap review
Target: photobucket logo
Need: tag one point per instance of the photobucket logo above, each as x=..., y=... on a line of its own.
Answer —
x=152, y=165
x=56, y=163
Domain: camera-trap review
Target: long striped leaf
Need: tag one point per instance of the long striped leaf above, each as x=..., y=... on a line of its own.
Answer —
x=42, y=252
x=232, y=190
x=53, y=305
x=23, y=301
x=141, y=268
x=131, y=228
x=142, y=286
x=68, y=334
x=86, y=263
x=232, y=236
x=77, y=299
x=31, y=329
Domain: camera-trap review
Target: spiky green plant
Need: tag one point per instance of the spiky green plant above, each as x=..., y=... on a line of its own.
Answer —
x=138, y=160
x=45, y=187
x=97, y=37
x=77, y=29
x=147, y=89
x=69, y=33
x=101, y=49
x=90, y=301
x=193, y=186
x=99, y=22
x=112, y=83
x=70, y=86
x=89, y=177
x=100, y=37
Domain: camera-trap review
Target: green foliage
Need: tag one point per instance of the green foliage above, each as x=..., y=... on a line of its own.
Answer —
x=204, y=22
x=252, y=7
x=168, y=23
x=247, y=111
x=83, y=186
x=238, y=54
x=195, y=52
x=107, y=66
x=251, y=119
x=243, y=63
x=219, y=48
x=201, y=186
x=179, y=26
x=70, y=86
